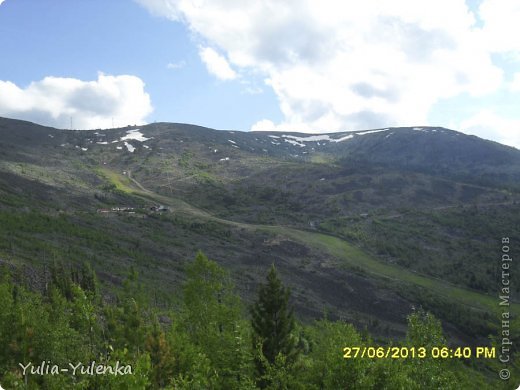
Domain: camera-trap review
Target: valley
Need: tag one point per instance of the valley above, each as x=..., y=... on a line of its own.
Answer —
x=357, y=238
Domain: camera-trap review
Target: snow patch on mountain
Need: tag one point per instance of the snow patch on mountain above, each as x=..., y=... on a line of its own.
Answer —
x=295, y=143
x=130, y=147
x=342, y=138
x=135, y=135
x=312, y=138
x=371, y=131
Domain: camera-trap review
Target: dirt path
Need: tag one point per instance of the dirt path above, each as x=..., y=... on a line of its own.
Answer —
x=340, y=249
x=129, y=174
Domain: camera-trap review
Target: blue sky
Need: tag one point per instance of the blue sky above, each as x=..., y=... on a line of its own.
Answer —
x=311, y=66
x=78, y=39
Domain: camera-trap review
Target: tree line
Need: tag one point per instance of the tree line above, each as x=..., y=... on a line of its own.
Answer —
x=212, y=341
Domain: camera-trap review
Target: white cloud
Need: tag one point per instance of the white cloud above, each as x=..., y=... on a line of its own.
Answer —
x=501, y=28
x=344, y=65
x=91, y=104
x=176, y=65
x=216, y=64
x=268, y=125
x=164, y=8
x=489, y=125
x=515, y=84
x=264, y=125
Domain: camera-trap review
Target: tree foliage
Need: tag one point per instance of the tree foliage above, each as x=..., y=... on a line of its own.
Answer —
x=273, y=324
x=206, y=344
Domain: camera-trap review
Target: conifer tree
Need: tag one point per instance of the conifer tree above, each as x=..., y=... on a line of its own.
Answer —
x=61, y=279
x=88, y=280
x=273, y=323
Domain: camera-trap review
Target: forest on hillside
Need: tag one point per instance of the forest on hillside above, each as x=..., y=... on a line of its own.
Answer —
x=209, y=340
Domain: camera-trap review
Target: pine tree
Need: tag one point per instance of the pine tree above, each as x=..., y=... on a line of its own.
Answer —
x=61, y=279
x=273, y=323
x=88, y=280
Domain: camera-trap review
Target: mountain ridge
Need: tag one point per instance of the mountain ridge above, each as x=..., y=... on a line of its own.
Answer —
x=386, y=212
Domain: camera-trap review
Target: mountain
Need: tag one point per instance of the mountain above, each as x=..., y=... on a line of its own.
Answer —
x=362, y=225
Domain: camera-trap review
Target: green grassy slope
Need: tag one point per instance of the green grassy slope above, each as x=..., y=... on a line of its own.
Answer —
x=360, y=239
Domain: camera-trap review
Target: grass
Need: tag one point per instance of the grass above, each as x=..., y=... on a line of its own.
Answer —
x=320, y=158
x=349, y=255
x=122, y=183
x=356, y=258
x=456, y=244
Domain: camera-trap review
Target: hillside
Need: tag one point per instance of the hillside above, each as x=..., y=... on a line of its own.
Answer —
x=362, y=225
